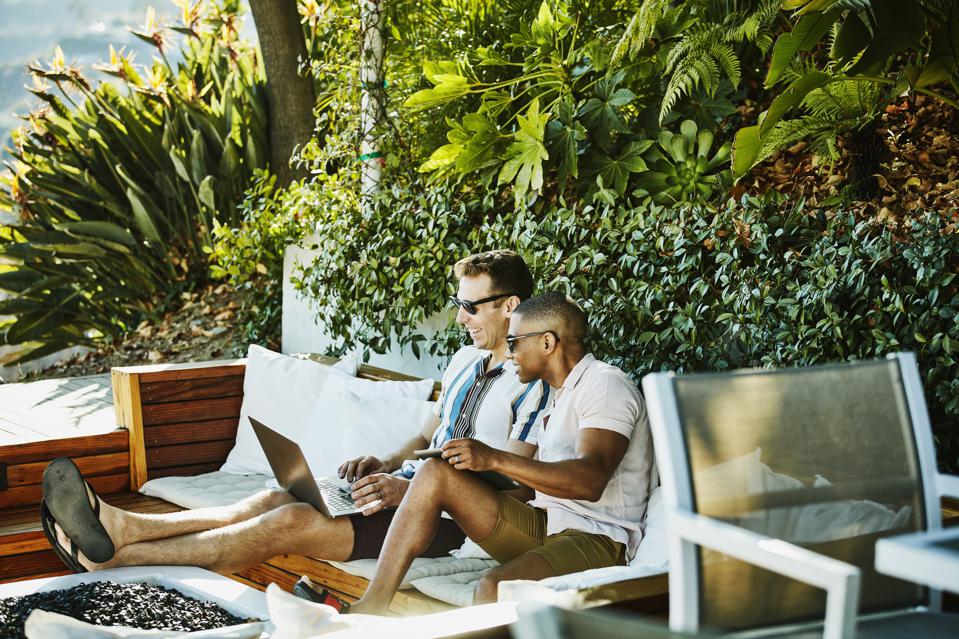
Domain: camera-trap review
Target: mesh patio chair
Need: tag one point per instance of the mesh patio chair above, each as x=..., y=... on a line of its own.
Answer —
x=541, y=621
x=778, y=485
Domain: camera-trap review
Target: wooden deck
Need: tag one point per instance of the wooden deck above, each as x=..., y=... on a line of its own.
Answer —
x=56, y=409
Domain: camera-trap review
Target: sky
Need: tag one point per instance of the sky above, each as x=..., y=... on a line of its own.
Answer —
x=31, y=29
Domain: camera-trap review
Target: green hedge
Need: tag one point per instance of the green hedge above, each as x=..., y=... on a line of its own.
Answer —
x=667, y=289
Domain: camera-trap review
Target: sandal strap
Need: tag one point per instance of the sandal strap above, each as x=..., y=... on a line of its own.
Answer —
x=96, y=500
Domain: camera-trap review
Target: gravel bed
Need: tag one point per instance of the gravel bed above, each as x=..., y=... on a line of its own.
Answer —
x=108, y=603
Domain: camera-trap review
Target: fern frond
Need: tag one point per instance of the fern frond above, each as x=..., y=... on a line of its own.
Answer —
x=640, y=29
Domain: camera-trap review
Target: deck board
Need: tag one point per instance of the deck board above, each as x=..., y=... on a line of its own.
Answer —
x=53, y=409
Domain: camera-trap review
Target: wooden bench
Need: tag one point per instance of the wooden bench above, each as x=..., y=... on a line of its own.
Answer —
x=181, y=420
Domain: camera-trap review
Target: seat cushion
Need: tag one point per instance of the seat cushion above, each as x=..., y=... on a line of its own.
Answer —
x=422, y=568
x=218, y=488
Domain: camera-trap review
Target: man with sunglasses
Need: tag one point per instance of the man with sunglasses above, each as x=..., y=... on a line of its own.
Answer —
x=481, y=398
x=592, y=474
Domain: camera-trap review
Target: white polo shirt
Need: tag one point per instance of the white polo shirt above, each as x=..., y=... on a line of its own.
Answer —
x=599, y=395
x=491, y=406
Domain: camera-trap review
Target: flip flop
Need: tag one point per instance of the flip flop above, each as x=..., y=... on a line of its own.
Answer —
x=304, y=590
x=66, y=498
x=70, y=559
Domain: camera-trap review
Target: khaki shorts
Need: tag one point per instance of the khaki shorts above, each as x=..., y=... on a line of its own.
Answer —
x=521, y=528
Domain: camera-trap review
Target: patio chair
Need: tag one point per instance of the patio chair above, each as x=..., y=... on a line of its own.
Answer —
x=778, y=484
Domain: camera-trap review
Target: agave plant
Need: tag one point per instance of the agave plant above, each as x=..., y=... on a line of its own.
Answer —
x=115, y=190
x=683, y=166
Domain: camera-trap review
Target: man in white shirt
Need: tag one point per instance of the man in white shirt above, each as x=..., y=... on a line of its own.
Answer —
x=481, y=398
x=591, y=476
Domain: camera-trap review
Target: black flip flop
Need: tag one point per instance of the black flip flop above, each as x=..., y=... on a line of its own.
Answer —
x=304, y=590
x=66, y=498
x=70, y=559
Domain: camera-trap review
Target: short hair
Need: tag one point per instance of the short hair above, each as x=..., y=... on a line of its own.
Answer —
x=556, y=310
x=507, y=271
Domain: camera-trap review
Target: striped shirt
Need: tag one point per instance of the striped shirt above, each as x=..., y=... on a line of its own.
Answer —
x=491, y=406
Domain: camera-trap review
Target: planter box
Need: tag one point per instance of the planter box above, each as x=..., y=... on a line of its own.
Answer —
x=197, y=583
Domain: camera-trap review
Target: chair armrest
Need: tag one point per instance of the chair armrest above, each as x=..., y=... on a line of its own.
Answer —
x=947, y=485
x=840, y=580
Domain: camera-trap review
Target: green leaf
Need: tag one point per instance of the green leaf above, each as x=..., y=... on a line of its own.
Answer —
x=207, y=194
x=563, y=135
x=449, y=86
x=804, y=36
x=601, y=113
x=616, y=171
x=479, y=149
x=142, y=217
x=544, y=26
x=746, y=147
x=441, y=157
x=524, y=157
x=103, y=230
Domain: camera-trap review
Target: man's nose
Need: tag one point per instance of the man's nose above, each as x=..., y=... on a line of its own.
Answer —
x=461, y=315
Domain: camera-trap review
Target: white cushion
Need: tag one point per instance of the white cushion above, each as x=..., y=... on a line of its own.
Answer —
x=209, y=489
x=324, y=437
x=281, y=392
x=378, y=426
x=421, y=568
x=652, y=551
x=456, y=589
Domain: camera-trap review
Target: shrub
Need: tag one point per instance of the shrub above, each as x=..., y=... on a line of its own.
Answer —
x=116, y=194
x=674, y=289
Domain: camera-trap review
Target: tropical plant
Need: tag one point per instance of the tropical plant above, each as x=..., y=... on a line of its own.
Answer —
x=115, y=190
x=877, y=50
x=684, y=167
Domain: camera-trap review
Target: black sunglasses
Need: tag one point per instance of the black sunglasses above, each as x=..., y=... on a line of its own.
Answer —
x=470, y=306
x=512, y=339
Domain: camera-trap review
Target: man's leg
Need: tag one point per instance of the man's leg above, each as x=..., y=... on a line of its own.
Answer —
x=293, y=528
x=437, y=486
x=527, y=566
x=125, y=527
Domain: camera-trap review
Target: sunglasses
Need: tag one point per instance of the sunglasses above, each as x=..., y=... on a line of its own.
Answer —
x=512, y=339
x=470, y=306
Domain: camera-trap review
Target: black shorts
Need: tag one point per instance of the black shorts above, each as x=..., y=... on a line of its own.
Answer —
x=369, y=533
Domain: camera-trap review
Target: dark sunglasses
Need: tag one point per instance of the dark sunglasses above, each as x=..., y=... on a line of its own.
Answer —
x=512, y=339
x=470, y=306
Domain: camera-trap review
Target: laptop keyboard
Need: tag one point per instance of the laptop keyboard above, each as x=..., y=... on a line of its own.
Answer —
x=336, y=497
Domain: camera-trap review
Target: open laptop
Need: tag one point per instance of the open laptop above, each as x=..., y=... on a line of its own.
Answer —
x=329, y=495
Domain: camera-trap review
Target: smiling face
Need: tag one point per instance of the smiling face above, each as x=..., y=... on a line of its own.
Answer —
x=528, y=353
x=487, y=328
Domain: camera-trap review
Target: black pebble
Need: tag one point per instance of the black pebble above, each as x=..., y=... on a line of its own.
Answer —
x=107, y=603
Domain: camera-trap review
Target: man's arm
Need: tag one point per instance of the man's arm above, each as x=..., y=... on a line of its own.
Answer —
x=597, y=454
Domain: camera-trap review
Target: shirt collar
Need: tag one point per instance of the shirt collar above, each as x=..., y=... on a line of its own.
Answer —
x=577, y=373
x=481, y=367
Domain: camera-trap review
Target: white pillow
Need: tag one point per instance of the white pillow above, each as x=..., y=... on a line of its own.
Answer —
x=652, y=549
x=336, y=410
x=378, y=426
x=281, y=392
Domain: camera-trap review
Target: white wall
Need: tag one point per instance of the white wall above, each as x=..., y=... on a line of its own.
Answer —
x=302, y=334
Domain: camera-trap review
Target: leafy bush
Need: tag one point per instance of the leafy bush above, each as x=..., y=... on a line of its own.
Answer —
x=116, y=193
x=669, y=288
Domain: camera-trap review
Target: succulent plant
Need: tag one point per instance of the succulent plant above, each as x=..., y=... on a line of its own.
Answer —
x=681, y=168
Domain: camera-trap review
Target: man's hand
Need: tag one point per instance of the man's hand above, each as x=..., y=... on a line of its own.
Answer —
x=361, y=467
x=381, y=490
x=469, y=454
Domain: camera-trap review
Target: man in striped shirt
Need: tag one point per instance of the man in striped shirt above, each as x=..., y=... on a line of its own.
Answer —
x=481, y=398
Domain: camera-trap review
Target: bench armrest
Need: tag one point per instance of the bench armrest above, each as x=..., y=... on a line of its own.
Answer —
x=840, y=580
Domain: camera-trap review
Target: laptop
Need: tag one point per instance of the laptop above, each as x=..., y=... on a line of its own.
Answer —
x=329, y=495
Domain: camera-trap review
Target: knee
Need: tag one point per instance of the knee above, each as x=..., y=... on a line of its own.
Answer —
x=433, y=471
x=289, y=516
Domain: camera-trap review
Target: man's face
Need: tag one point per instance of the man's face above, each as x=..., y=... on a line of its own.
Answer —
x=487, y=327
x=527, y=354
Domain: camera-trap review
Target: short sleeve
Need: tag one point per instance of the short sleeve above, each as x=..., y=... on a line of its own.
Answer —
x=611, y=402
x=528, y=410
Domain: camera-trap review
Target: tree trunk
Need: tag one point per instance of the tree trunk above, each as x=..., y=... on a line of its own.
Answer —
x=290, y=97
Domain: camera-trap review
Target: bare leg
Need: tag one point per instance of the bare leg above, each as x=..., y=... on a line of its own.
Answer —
x=437, y=486
x=527, y=566
x=126, y=527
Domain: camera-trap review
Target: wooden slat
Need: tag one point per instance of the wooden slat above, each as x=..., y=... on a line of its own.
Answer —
x=191, y=411
x=30, y=564
x=186, y=389
x=184, y=471
x=322, y=573
x=188, y=454
x=129, y=410
x=24, y=542
x=91, y=466
x=113, y=442
x=27, y=495
x=188, y=432
x=191, y=370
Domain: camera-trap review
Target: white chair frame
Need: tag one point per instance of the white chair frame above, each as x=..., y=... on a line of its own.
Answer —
x=840, y=580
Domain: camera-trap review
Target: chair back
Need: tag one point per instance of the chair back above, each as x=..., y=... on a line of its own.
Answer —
x=825, y=457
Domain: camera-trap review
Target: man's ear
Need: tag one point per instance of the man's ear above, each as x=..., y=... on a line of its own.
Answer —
x=511, y=303
x=549, y=344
